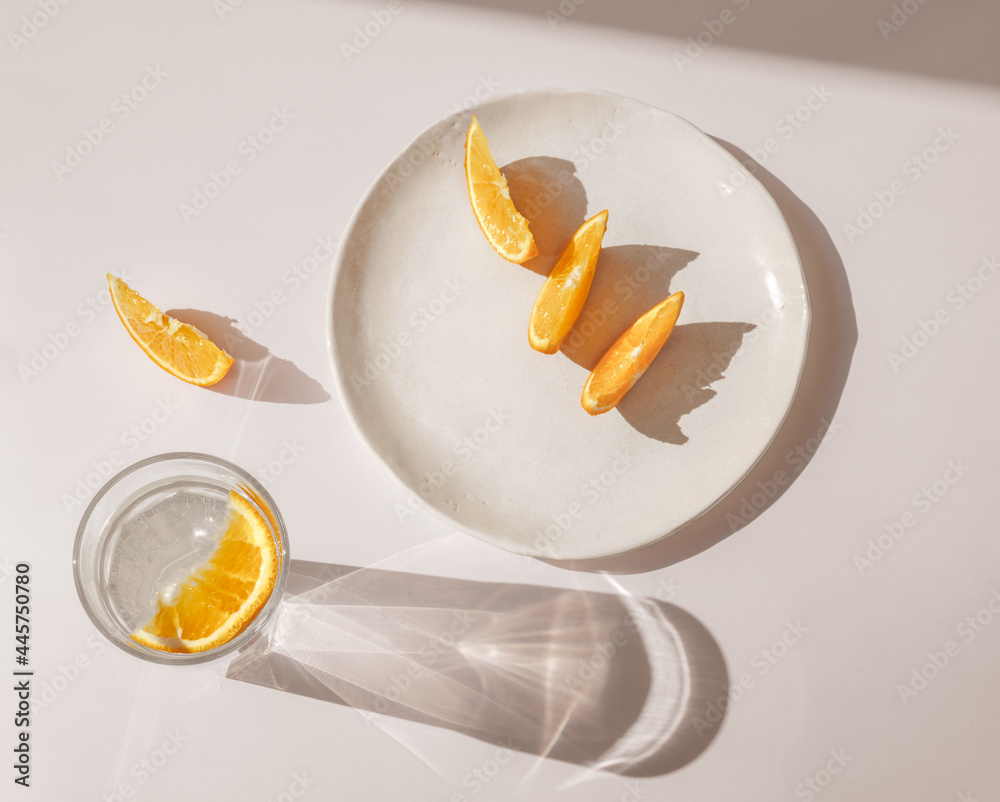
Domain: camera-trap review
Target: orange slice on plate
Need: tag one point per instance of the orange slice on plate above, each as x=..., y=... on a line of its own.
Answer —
x=624, y=362
x=222, y=596
x=565, y=291
x=178, y=348
x=504, y=226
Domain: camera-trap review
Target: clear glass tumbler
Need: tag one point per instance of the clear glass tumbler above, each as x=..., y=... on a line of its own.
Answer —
x=148, y=528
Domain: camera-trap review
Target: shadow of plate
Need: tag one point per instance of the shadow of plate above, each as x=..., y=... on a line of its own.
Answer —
x=833, y=336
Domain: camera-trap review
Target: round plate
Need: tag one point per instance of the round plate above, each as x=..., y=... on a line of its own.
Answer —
x=428, y=326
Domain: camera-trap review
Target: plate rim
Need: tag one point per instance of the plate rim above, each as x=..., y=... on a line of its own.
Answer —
x=339, y=378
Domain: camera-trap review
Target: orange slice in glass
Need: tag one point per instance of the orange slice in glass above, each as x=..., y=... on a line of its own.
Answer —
x=624, y=362
x=178, y=348
x=565, y=291
x=504, y=226
x=222, y=596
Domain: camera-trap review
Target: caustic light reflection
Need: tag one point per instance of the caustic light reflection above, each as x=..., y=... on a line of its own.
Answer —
x=598, y=679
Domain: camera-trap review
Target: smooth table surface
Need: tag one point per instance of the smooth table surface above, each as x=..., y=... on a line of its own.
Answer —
x=829, y=630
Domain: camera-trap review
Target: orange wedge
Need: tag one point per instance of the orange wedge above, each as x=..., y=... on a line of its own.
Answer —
x=565, y=291
x=624, y=362
x=178, y=348
x=504, y=227
x=222, y=596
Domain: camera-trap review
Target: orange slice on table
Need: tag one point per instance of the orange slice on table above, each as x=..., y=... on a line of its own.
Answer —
x=565, y=291
x=504, y=226
x=223, y=595
x=624, y=362
x=178, y=348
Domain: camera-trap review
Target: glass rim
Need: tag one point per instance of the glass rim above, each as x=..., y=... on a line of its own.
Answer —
x=279, y=533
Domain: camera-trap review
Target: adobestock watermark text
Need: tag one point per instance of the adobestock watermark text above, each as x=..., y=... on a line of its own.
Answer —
x=589, y=492
x=795, y=461
x=368, y=31
x=901, y=13
x=137, y=433
x=817, y=782
x=711, y=31
x=464, y=449
x=762, y=663
x=967, y=630
x=389, y=351
x=34, y=23
x=786, y=127
x=291, y=280
x=121, y=109
x=143, y=770
x=956, y=300
x=58, y=341
x=247, y=151
x=922, y=502
x=914, y=168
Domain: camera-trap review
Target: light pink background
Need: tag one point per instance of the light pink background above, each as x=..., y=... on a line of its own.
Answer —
x=907, y=126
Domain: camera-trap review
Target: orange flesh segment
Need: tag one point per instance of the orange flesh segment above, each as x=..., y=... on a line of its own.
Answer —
x=178, y=348
x=564, y=293
x=222, y=596
x=505, y=228
x=632, y=353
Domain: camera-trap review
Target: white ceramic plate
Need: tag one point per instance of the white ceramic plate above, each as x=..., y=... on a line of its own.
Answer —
x=428, y=326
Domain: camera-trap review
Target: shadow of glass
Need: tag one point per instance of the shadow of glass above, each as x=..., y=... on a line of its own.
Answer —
x=548, y=193
x=256, y=374
x=833, y=336
x=604, y=681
